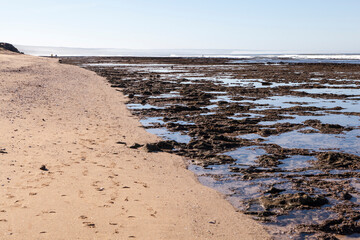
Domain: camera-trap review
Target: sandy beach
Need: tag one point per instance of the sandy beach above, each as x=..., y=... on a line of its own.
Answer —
x=72, y=124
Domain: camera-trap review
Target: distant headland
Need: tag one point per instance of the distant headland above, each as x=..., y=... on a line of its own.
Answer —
x=9, y=47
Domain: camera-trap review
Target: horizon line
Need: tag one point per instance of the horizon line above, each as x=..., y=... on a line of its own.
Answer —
x=202, y=49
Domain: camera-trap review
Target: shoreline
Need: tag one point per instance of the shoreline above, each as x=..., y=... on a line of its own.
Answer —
x=70, y=120
x=250, y=155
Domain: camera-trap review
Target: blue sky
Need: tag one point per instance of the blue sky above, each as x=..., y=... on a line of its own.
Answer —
x=274, y=25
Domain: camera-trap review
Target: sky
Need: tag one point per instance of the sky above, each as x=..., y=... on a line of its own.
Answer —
x=257, y=25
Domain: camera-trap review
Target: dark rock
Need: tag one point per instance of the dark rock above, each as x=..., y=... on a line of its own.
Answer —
x=120, y=85
x=274, y=190
x=345, y=196
x=266, y=83
x=136, y=146
x=160, y=146
x=179, y=108
x=337, y=160
x=341, y=226
x=9, y=47
x=270, y=160
x=326, y=128
x=267, y=132
x=217, y=160
x=292, y=201
x=43, y=167
x=152, y=147
x=326, y=236
x=166, y=144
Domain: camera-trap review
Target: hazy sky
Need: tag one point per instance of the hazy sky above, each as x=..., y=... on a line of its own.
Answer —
x=303, y=26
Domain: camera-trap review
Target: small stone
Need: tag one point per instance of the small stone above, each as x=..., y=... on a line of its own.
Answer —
x=43, y=167
x=346, y=196
x=136, y=146
x=151, y=147
x=274, y=190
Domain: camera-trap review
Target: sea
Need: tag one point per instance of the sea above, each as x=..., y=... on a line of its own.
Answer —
x=238, y=56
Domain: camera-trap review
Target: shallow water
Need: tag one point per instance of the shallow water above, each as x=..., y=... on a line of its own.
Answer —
x=345, y=120
x=246, y=155
x=348, y=142
x=296, y=162
x=211, y=107
x=337, y=91
x=172, y=94
x=341, y=85
x=141, y=106
x=267, y=60
x=164, y=70
x=247, y=115
x=167, y=135
x=150, y=121
x=277, y=102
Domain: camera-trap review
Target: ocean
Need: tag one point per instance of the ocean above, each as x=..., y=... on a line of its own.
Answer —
x=239, y=56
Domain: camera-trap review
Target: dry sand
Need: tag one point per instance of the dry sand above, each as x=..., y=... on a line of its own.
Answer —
x=69, y=119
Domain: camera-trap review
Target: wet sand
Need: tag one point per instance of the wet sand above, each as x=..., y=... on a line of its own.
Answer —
x=68, y=172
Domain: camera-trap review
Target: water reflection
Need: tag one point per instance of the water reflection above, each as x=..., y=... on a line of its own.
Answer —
x=348, y=142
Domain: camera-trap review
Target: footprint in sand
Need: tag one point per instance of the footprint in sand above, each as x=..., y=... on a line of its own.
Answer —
x=114, y=196
x=145, y=185
x=83, y=156
x=89, y=224
x=116, y=183
x=81, y=194
x=95, y=184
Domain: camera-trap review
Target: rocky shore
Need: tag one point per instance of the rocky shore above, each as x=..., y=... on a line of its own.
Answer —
x=255, y=125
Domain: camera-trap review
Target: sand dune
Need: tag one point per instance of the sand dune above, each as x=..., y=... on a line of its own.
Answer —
x=70, y=120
